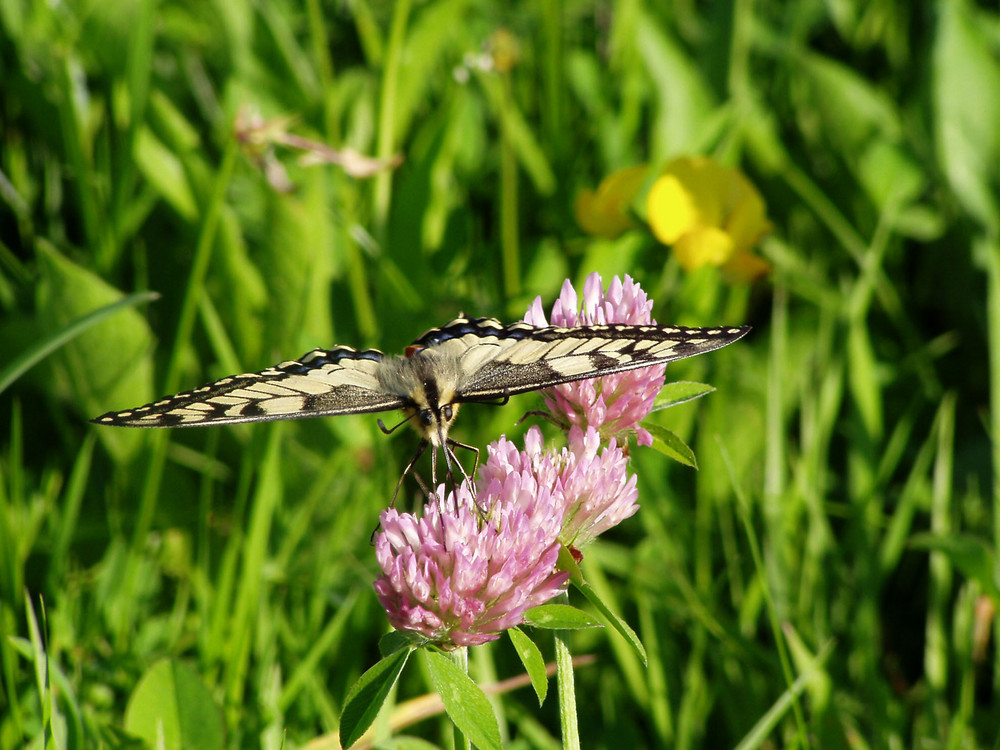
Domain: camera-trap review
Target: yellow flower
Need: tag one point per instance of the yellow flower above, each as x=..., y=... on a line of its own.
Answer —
x=711, y=214
x=605, y=212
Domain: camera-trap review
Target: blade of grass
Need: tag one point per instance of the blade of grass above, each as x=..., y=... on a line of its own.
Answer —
x=49, y=344
x=988, y=253
x=936, y=656
x=266, y=500
x=387, y=114
x=70, y=504
x=758, y=735
x=185, y=324
x=776, y=632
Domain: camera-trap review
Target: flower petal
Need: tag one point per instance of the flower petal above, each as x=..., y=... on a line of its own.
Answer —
x=605, y=212
x=670, y=209
x=707, y=246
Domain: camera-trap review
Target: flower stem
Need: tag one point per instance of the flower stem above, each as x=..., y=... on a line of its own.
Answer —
x=461, y=658
x=567, y=694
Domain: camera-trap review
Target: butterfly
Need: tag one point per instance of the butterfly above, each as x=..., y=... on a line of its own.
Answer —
x=465, y=361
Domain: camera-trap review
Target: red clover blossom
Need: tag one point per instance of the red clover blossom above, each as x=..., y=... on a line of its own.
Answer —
x=470, y=567
x=594, y=488
x=614, y=404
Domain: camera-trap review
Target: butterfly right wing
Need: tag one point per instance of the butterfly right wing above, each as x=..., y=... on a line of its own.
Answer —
x=520, y=358
x=321, y=383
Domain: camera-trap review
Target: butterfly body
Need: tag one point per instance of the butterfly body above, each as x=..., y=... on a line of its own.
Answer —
x=467, y=360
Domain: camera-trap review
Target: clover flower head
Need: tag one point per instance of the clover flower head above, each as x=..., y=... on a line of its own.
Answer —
x=597, y=490
x=472, y=564
x=593, y=485
x=614, y=404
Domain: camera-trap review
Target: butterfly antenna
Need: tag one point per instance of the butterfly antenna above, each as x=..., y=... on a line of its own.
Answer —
x=390, y=430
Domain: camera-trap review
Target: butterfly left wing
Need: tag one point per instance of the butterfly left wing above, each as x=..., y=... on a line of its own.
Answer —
x=524, y=358
x=321, y=383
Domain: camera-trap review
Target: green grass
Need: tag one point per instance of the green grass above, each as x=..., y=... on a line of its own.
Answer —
x=827, y=577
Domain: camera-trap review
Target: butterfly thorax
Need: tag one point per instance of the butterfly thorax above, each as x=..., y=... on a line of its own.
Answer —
x=427, y=381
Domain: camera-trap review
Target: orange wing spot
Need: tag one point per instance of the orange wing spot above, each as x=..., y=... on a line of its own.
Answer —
x=412, y=349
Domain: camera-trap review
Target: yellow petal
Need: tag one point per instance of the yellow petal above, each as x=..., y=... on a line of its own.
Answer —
x=605, y=213
x=705, y=180
x=712, y=215
x=622, y=185
x=670, y=209
x=746, y=221
x=703, y=246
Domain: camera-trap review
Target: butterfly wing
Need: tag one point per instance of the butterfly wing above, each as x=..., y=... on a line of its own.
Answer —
x=519, y=358
x=320, y=383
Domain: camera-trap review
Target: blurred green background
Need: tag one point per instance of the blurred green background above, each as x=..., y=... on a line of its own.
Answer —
x=842, y=524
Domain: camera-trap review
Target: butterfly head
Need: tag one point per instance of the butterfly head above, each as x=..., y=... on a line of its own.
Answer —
x=433, y=423
x=432, y=414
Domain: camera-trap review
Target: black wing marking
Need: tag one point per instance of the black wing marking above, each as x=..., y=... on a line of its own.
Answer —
x=472, y=330
x=321, y=383
x=534, y=358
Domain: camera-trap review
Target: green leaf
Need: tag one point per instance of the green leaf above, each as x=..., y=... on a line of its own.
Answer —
x=862, y=378
x=41, y=349
x=464, y=701
x=669, y=444
x=966, y=92
x=974, y=557
x=559, y=617
x=680, y=97
x=394, y=640
x=165, y=172
x=853, y=109
x=520, y=136
x=107, y=366
x=366, y=696
x=614, y=621
x=764, y=728
x=437, y=27
x=890, y=175
x=680, y=392
x=532, y=660
x=172, y=708
x=403, y=742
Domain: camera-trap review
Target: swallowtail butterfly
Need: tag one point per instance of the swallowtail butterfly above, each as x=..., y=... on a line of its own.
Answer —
x=468, y=360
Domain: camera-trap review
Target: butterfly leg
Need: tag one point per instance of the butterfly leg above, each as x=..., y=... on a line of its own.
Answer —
x=471, y=449
x=450, y=459
x=420, y=482
x=409, y=467
x=451, y=445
